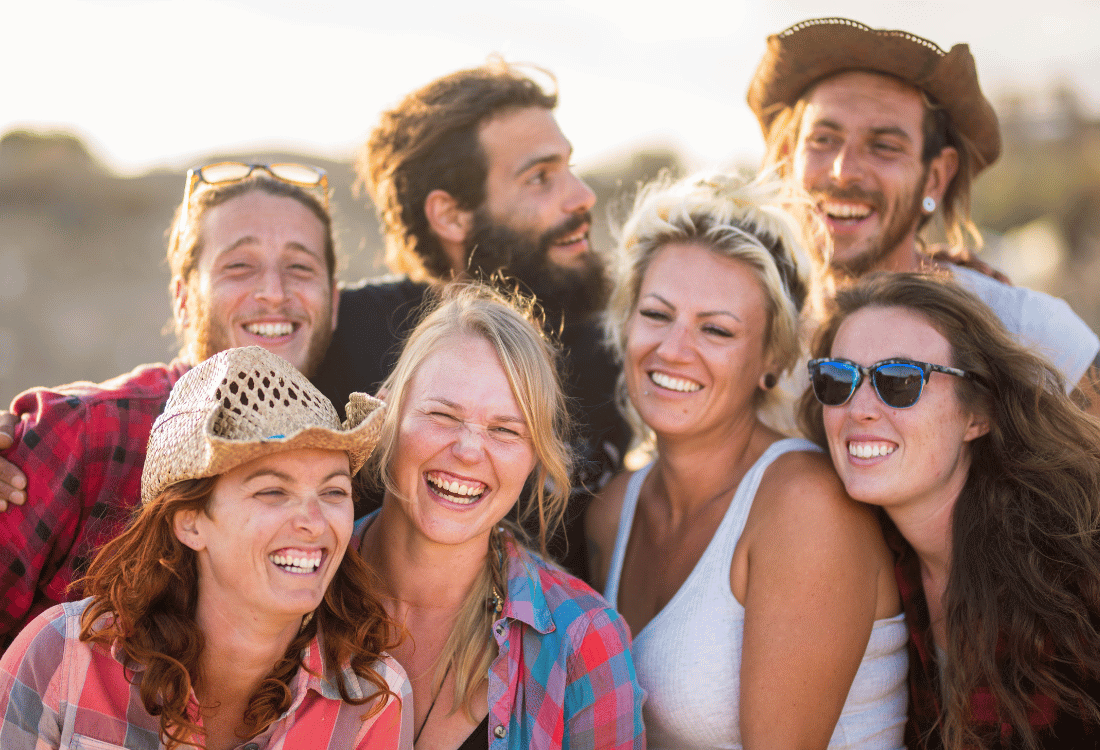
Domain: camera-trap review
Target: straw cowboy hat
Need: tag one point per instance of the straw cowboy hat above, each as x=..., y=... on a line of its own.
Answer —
x=809, y=51
x=245, y=403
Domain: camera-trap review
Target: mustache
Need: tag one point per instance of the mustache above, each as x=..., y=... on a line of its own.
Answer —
x=566, y=228
x=875, y=199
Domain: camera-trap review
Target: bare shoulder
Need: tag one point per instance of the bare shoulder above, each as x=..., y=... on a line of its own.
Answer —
x=601, y=525
x=802, y=498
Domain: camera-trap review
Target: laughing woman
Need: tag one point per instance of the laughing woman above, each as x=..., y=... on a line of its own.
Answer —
x=503, y=648
x=227, y=613
x=988, y=477
x=761, y=597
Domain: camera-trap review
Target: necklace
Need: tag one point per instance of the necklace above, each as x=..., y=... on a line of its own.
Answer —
x=430, y=707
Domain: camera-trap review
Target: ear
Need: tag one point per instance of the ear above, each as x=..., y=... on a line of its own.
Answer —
x=979, y=425
x=941, y=170
x=451, y=226
x=186, y=529
x=179, y=302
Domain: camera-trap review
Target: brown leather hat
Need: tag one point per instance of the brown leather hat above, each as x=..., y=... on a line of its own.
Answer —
x=809, y=51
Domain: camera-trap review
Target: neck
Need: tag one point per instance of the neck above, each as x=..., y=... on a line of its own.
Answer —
x=905, y=257
x=695, y=470
x=416, y=572
x=238, y=653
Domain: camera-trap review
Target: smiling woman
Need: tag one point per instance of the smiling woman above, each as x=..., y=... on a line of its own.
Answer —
x=228, y=610
x=504, y=648
x=761, y=596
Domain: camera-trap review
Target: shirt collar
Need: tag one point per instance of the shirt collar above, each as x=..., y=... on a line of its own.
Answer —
x=525, y=599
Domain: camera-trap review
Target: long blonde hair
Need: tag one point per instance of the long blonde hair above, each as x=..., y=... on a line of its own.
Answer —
x=529, y=361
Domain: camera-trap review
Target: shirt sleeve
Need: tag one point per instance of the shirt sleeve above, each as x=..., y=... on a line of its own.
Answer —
x=603, y=700
x=30, y=685
x=36, y=537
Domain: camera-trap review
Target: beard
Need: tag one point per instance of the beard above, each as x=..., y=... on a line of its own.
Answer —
x=209, y=336
x=901, y=217
x=500, y=255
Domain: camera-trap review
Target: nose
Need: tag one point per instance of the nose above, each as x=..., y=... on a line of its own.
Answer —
x=579, y=198
x=864, y=405
x=309, y=518
x=676, y=345
x=271, y=287
x=847, y=165
x=469, y=444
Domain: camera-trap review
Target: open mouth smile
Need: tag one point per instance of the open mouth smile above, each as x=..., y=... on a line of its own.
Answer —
x=681, y=385
x=298, y=561
x=271, y=330
x=458, y=491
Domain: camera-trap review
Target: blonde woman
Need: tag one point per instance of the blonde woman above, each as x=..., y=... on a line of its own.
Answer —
x=503, y=648
x=761, y=597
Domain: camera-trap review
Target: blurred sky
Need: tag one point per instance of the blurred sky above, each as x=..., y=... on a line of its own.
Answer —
x=163, y=83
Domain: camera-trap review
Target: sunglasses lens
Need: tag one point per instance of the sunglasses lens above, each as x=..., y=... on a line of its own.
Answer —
x=899, y=385
x=299, y=174
x=833, y=382
x=226, y=171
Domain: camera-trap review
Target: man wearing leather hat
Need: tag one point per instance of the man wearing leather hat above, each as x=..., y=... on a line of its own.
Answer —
x=884, y=129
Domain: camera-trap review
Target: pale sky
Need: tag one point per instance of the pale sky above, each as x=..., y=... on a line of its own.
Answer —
x=163, y=83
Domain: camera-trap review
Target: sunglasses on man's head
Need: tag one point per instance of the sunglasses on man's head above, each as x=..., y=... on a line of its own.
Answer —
x=898, y=382
x=302, y=175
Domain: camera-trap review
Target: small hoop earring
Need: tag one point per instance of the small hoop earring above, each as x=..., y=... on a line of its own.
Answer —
x=928, y=204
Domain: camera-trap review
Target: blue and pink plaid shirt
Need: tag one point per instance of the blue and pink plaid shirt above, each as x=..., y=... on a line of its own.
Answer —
x=59, y=692
x=564, y=676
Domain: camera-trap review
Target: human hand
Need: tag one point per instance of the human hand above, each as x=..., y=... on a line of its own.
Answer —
x=13, y=483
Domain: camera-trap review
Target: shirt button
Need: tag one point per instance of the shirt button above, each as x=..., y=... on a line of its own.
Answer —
x=500, y=731
x=500, y=628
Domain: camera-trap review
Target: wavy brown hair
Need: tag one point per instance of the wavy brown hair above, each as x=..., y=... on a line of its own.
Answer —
x=1023, y=593
x=431, y=141
x=144, y=589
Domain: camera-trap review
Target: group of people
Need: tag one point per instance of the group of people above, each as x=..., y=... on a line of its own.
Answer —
x=245, y=548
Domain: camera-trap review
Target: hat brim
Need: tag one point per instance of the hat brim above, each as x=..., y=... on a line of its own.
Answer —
x=810, y=51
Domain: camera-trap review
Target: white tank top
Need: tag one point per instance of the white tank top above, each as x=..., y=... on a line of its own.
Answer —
x=688, y=657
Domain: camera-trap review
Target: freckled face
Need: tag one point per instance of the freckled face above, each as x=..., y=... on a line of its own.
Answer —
x=897, y=457
x=274, y=534
x=464, y=450
x=695, y=342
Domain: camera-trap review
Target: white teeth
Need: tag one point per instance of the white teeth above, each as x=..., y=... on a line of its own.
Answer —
x=674, y=384
x=270, y=330
x=845, y=210
x=870, y=450
x=300, y=562
x=458, y=489
x=571, y=240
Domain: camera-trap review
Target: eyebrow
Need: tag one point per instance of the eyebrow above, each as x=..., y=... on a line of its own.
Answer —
x=893, y=130
x=269, y=472
x=506, y=418
x=252, y=240
x=556, y=158
x=703, y=314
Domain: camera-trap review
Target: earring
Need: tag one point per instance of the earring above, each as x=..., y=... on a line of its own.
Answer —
x=928, y=204
x=769, y=380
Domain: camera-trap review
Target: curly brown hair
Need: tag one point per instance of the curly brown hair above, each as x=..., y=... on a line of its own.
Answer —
x=1022, y=600
x=144, y=589
x=430, y=141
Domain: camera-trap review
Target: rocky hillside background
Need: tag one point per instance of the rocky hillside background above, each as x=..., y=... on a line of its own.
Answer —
x=83, y=285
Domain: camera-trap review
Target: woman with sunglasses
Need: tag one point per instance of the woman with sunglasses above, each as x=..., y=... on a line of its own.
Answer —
x=988, y=477
x=227, y=615
x=503, y=648
x=761, y=597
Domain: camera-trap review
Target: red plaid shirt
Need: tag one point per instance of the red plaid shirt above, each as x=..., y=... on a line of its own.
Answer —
x=1054, y=729
x=82, y=447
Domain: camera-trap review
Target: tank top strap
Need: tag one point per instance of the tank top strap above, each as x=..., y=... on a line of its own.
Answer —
x=719, y=553
x=626, y=522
